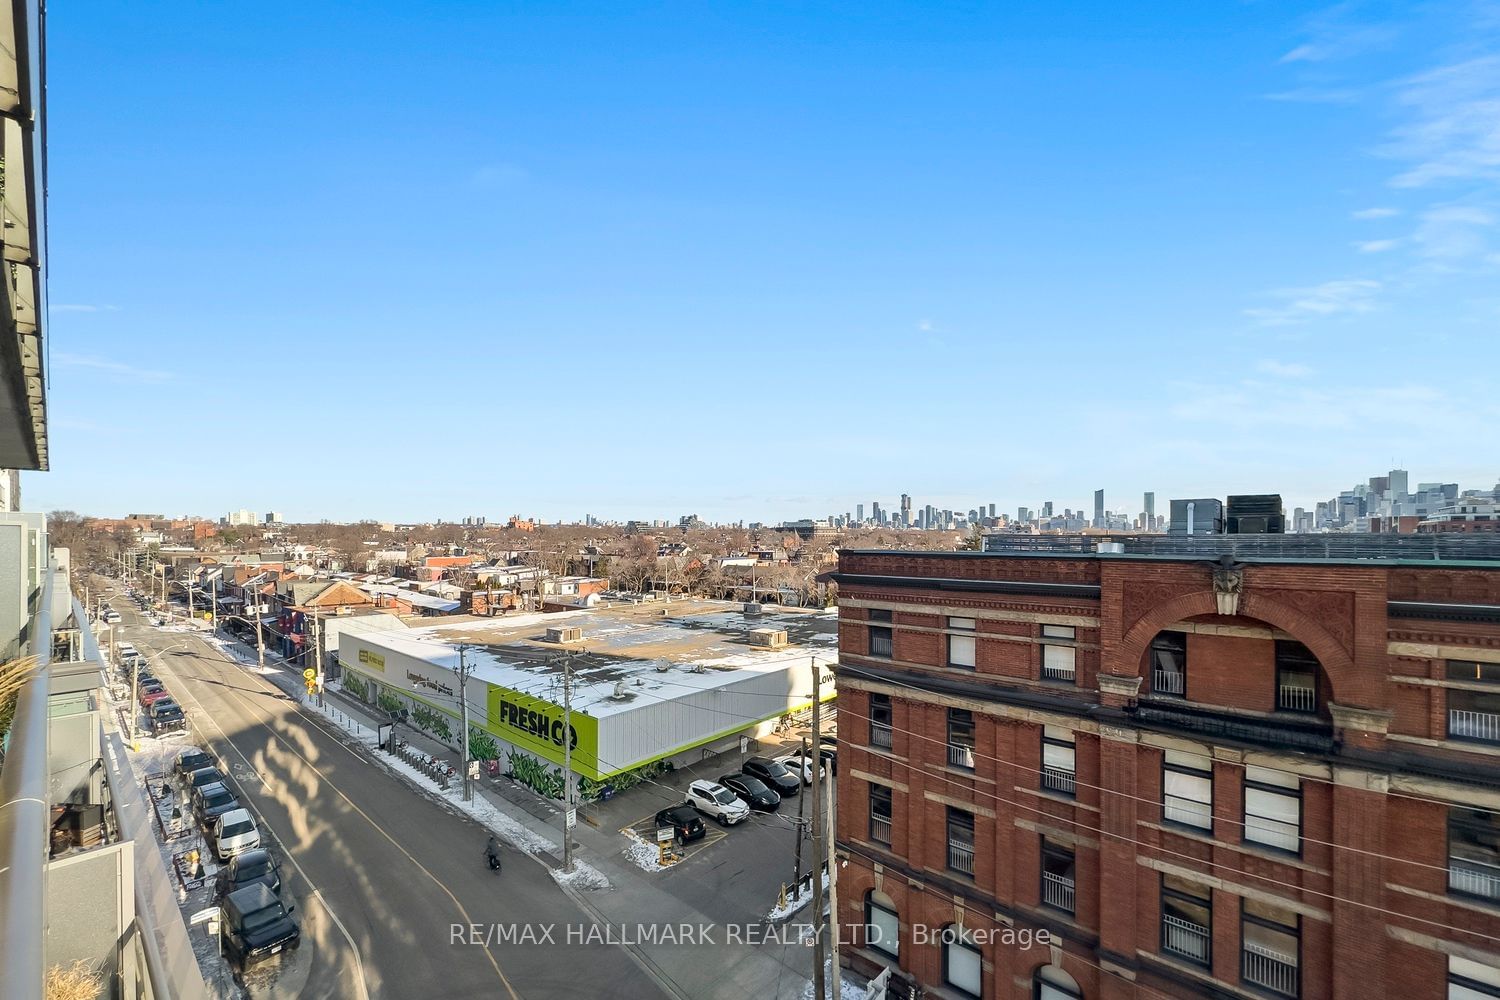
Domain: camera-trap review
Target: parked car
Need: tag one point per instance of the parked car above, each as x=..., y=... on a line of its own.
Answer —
x=111, y=617
x=255, y=867
x=157, y=692
x=211, y=802
x=752, y=791
x=190, y=761
x=828, y=749
x=234, y=833
x=713, y=799
x=255, y=924
x=166, y=716
x=802, y=767
x=684, y=821
x=773, y=773
x=203, y=776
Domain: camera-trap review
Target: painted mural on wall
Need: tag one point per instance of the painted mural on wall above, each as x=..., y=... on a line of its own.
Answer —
x=351, y=683
x=433, y=722
x=535, y=775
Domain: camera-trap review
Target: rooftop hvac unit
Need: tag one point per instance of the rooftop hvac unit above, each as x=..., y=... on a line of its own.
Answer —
x=662, y=666
x=619, y=694
x=752, y=608
x=570, y=633
x=771, y=638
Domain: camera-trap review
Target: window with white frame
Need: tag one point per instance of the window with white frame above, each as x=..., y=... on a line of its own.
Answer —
x=963, y=964
x=1471, y=980
x=1187, y=789
x=1058, y=760
x=882, y=926
x=1058, y=654
x=1273, y=808
x=961, y=646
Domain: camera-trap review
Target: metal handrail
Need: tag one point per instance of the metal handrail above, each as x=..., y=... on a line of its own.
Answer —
x=24, y=821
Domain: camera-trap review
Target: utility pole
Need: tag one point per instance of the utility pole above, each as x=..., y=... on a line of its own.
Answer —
x=213, y=609
x=318, y=658
x=817, y=808
x=801, y=833
x=569, y=816
x=830, y=837
x=463, y=704
x=135, y=695
x=187, y=585
x=260, y=639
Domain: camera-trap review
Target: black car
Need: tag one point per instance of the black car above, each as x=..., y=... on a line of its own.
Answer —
x=255, y=925
x=752, y=791
x=782, y=781
x=204, y=776
x=212, y=800
x=165, y=716
x=191, y=761
x=684, y=821
x=828, y=750
x=255, y=867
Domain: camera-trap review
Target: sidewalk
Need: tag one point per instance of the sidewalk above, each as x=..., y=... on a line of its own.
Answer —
x=735, y=971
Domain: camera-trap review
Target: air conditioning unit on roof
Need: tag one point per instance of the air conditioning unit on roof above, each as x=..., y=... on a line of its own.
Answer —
x=564, y=634
x=771, y=638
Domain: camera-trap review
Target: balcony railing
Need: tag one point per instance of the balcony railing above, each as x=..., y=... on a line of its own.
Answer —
x=880, y=830
x=961, y=858
x=1271, y=970
x=1296, y=698
x=1184, y=939
x=1466, y=725
x=1057, y=780
x=1057, y=672
x=1474, y=878
x=881, y=736
x=1169, y=682
x=960, y=755
x=1057, y=891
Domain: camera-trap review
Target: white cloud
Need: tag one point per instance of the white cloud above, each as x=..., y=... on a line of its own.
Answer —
x=1332, y=34
x=1454, y=232
x=1316, y=95
x=1282, y=369
x=1300, y=406
x=1376, y=246
x=1454, y=132
x=120, y=368
x=1375, y=213
x=925, y=325
x=1348, y=296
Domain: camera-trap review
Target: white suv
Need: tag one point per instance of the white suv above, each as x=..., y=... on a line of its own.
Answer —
x=798, y=765
x=713, y=799
x=234, y=833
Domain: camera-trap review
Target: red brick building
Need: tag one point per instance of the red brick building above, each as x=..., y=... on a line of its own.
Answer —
x=1274, y=777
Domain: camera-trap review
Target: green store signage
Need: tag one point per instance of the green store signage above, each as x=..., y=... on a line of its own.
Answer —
x=537, y=725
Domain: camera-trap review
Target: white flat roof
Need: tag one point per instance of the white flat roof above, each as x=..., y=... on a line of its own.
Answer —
x=654, y=656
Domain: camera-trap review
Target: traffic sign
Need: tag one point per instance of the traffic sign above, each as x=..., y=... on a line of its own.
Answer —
x=309, y=674
x=572, y=819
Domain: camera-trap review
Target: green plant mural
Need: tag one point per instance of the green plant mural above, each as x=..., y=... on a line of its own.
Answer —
x=355, y=686
x=433, y=722
x=535, y=775
x=388, y=702
x=482, y=746
x=588, y=789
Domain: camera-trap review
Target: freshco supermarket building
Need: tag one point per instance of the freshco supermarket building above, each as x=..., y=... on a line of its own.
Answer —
x=650, y=682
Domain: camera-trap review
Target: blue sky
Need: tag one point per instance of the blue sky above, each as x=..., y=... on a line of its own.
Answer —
x=766, y=260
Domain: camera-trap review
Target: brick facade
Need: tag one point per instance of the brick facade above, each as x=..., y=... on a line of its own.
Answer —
x=1360, y=881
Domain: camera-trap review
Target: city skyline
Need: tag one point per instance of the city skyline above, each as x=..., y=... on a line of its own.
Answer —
x=1133, y=505
x=1070, y=208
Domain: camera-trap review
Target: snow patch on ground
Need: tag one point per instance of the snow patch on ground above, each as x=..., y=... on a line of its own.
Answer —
x=644, y=856
x=584, y=877
x=852, y=988
x=479, y=808
x=794, y=903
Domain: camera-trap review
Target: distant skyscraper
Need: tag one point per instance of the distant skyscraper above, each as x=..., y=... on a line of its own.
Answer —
x=992, y=510
x=859, y=513
x=1398, y=483
x=1098, y=508
x=1150, y=508
x=1047, y=510
x=905, y=510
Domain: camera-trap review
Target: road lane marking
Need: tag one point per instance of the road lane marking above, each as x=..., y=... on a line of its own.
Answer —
x=359, y=965
x=468, y=919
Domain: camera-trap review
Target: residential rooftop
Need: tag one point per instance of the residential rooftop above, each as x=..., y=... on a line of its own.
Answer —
x=659, y=651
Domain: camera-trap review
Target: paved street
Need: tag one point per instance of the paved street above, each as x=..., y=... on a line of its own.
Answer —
x=391, y=870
